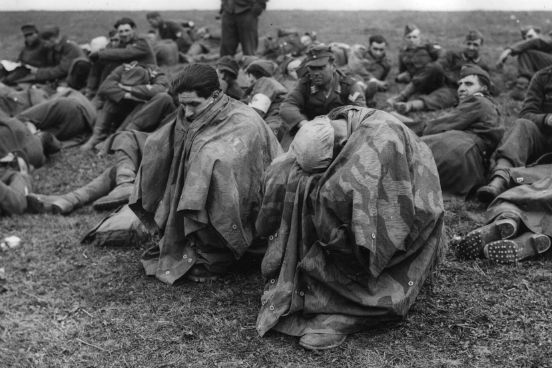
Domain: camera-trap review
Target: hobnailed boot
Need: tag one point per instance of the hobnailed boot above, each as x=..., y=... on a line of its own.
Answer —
x=471, y=246
x=487, y=193
x=514, y=250
x=91, y=142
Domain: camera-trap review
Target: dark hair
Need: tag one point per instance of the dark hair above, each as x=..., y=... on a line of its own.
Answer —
x=377, y=39
x=153, y=14
x=257, y=71
x=124, y=20
x=199, y=78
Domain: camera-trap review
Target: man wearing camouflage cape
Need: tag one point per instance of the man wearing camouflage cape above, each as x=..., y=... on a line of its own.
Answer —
x=199, y=183
x=351, y=246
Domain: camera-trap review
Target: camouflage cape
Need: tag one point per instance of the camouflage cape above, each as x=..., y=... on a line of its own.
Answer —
x=199, y=174
x=352, y=246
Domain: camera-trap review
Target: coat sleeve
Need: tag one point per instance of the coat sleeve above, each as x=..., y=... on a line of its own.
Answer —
x=534, y=100
x=158, y=83
x=138, y=50
x=68, y=54
x=532, y=44
x=291, y=108
x=110, y=86
x=466, y=113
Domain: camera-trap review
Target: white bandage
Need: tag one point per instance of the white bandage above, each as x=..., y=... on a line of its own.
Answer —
x=260, y=102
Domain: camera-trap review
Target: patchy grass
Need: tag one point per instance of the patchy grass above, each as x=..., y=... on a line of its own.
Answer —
x=69, y=305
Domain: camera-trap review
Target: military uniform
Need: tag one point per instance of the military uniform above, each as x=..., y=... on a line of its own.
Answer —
x=66, y=115
x=462, y=142
x=427, y=76
x=453, y=61
x=530, y=137
x=145, y=82
x=239, y=25
x=172, y=30
x=364, y=66
x=138, y=49
x=266, y=96
x=533, y=55
x=307, y=101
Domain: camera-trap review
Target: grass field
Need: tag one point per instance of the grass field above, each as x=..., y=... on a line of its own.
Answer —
x=69, y=305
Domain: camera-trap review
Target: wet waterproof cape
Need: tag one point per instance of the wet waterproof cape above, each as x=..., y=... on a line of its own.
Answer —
x=202, y=173
x=352, y=246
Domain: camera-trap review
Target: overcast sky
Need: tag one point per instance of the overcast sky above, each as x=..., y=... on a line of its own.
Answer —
x=280, y=4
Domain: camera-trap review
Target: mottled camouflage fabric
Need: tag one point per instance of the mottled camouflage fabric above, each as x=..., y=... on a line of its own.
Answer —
x=352, y=246
x=203, y=175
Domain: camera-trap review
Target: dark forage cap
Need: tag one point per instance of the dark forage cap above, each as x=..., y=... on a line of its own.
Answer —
x=472, y=69
x=28, y=29
x=319, y=55
x=409, y=28
x=228, y=64
x=474, y=35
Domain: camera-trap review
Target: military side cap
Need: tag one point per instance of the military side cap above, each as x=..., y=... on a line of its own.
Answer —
x=409, y=28
x=474, y=35
x=153, y=14
x=263, y=67
x=525, y=29
x=49, y=32
x=228, y=64
x=28, y=29
x=472, y=69
x=318, y=55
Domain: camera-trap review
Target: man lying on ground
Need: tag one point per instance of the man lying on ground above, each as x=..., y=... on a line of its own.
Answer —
x=353, y=214
x=463, y=140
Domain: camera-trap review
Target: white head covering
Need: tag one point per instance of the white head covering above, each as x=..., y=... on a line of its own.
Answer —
x=313, y=145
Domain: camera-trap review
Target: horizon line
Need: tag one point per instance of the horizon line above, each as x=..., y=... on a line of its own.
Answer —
x=304, y=10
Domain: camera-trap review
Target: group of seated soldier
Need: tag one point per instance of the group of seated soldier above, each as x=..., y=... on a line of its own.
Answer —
x=285, y=149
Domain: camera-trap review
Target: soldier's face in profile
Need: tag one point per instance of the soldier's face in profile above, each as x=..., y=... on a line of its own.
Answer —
x=471, y=48
x=377, y=50
x=125, y=32
x=321, y=75
x=413, y=38
x=469, y=85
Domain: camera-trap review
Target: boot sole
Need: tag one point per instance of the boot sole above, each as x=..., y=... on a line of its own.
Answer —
x=324, y=347
x=506, y=251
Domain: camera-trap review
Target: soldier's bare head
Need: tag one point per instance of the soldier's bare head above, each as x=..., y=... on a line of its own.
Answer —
x=196, y=87
x=377, y=46
x=126, y=29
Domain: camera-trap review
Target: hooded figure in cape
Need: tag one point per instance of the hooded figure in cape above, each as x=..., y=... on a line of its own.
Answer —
x=354, y=217
x=199, y=183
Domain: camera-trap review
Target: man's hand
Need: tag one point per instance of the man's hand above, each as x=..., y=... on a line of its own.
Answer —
x=125, y=88
x=382, y=85
x=502, y=58
x=32, y=69
x=548, y=120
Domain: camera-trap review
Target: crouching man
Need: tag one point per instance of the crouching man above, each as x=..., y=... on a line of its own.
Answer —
x=354, y=217
x=198, y=186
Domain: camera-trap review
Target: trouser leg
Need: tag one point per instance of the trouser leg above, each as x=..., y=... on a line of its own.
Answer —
x=429, y=78
x=247, y=32
x=97, y=188
x=148, y=118
x=14, y=187
x=229, y=39
x=523, y=143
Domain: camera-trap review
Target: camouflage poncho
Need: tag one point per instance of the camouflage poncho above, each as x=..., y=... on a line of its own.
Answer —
x=352, y=246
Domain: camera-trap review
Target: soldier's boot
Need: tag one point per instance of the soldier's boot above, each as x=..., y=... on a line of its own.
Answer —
x=50, y=144
x=320, y=341
x=514, y=250
x=471, y=246
x=125, y=174
x=99, y=134
x=489, y=192
x=402, y=96
x=67, y=203
x=409, y=106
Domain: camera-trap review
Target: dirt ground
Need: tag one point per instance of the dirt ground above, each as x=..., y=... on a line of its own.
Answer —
x=70, y=305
